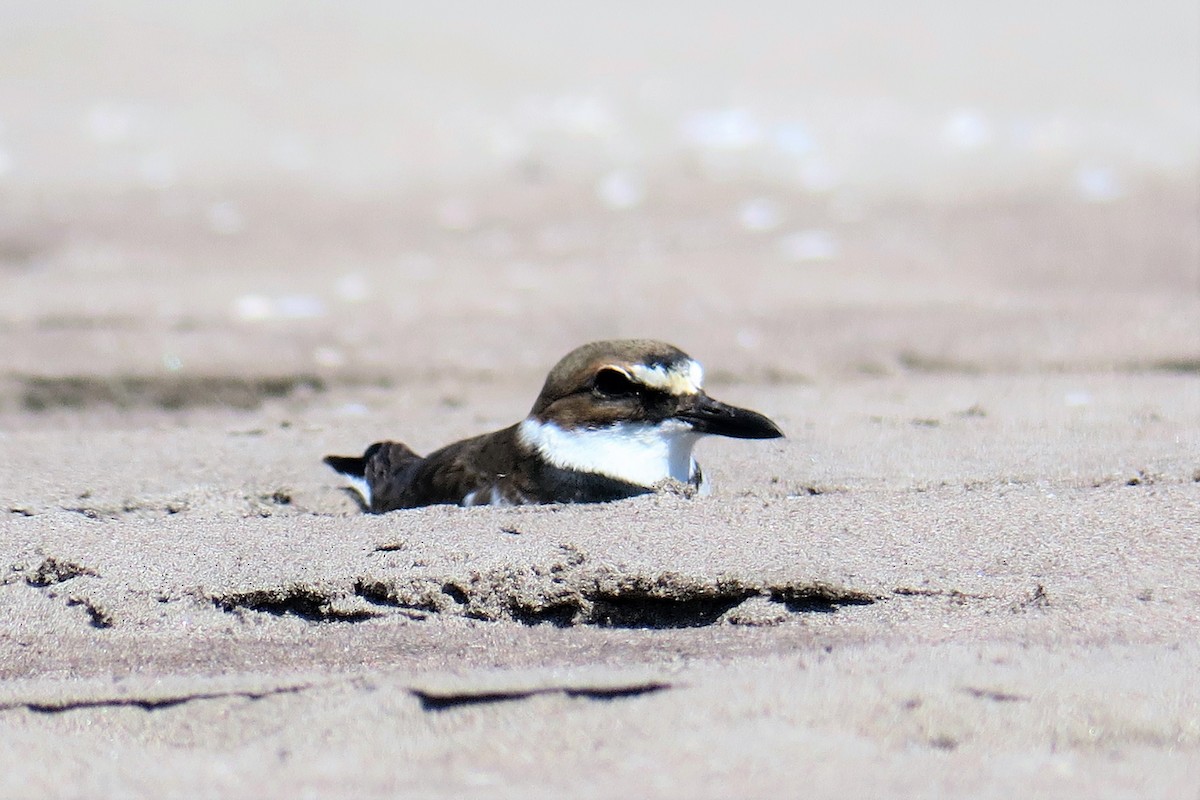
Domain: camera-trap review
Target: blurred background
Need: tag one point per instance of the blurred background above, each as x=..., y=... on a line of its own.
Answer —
x=792, y=189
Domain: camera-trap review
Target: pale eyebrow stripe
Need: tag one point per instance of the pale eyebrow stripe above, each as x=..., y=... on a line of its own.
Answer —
x=677, y=381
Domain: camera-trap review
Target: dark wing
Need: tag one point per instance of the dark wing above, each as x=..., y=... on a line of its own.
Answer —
x=476, y=471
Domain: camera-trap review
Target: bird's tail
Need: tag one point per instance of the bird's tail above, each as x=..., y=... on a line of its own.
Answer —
x=354, y=468
x=350, y=466
x=375, y=472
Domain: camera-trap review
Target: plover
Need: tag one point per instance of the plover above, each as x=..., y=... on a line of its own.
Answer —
x=613, y=419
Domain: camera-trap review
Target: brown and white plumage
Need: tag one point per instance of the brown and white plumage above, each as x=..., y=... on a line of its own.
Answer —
x=613, y=419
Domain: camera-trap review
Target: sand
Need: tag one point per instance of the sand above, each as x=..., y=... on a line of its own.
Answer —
x=972, y=568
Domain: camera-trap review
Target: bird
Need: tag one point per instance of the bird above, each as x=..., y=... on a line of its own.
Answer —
x=614, y=420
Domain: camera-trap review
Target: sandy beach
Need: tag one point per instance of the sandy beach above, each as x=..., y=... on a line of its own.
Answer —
x=968, y=292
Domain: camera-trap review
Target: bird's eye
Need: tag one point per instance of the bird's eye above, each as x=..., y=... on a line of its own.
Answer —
x=613, y=383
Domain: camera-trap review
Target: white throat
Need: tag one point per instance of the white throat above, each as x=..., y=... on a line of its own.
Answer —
x=641, y=453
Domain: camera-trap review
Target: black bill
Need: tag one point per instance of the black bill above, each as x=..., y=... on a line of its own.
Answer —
x=712, y=416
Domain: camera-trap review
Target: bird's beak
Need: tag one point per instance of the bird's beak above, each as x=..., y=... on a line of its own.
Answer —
x=714, y=417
